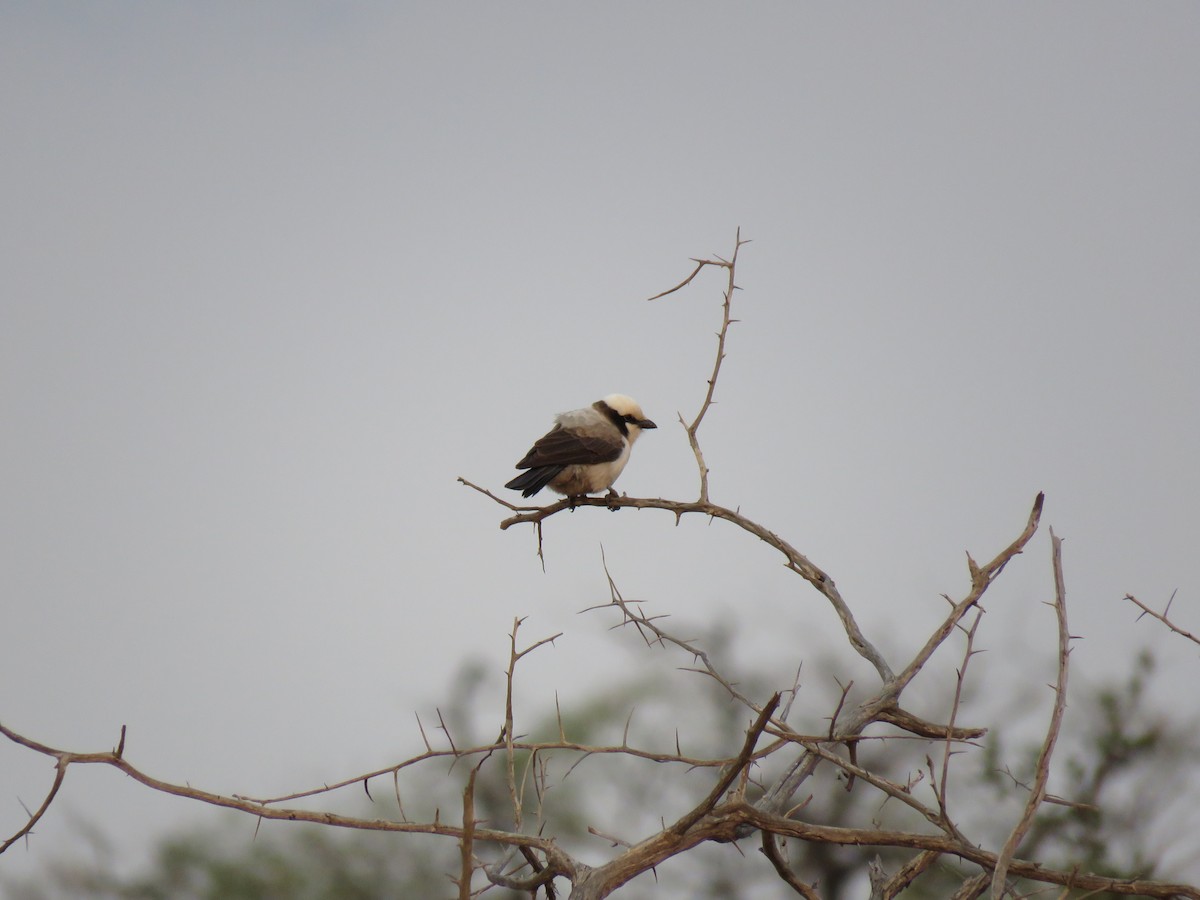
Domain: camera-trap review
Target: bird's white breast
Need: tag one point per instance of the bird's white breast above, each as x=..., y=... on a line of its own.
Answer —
x=576, y=480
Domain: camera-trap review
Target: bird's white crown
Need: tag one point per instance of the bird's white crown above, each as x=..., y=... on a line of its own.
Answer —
x=625, y=405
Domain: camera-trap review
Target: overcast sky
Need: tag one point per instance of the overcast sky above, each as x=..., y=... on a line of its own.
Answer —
x=274, y=274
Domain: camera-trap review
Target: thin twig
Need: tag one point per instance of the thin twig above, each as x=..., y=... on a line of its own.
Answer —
x=999, y=876
x=60, y=772
x=1162, y=616
x=730, y=265
x=772, y=852
x=960, y=679
x=646, y=626
x=981, y=578
x=291, y=814
x=509, y=737
x=972, y=887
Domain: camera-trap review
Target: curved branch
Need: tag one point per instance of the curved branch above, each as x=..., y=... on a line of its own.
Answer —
x=981, y=579
x=60, y=772
x=1042, y=776
x=776, y=799
x=795, y=560
x=261, y=810
x=744, y=813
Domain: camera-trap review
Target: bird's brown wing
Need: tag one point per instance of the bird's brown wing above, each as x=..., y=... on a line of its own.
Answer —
x=562, y=447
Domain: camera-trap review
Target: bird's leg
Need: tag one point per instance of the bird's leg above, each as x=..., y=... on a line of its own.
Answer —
x=612, y=496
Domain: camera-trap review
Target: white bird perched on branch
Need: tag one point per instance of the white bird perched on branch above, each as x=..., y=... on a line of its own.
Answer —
x=585, y=451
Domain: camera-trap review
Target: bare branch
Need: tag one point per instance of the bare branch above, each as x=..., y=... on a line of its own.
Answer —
x=529, y=862
x=853, y=770
x=907, y=874
x=700, y=264
x=961, y=675
x=1060, y=705
x=495, y=497
x=794, y=559
x=793, y=692
x=445, y=729
x=700, y=825
x=60, y=772
x=981, y=579
x=508, y=735
x=915, y=725
x=778, y=796
x=693, y=429
x=467, y=842
x=972, y=887
x=646, y=626
x=731, y=772
x=615, y=841
x=838, y=709
x=289, y=814
x=744, y=813
x=543, y=876
x=1162, y=616
x=772, y=852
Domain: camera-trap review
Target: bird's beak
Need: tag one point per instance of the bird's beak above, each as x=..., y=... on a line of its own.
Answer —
x=645, y=423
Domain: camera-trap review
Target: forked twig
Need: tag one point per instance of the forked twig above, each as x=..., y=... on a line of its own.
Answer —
x=646, y=626
x=1162, y=616
x=693, y=430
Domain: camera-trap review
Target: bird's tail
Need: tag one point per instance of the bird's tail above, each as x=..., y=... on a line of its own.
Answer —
x=533, y=480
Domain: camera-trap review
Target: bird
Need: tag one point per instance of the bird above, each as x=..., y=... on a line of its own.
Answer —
x=585, y=451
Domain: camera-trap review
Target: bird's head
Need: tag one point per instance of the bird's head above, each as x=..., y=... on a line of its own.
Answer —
x=629, y=410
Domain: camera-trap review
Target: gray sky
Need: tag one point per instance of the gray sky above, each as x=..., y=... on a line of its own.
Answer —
x=274, y=275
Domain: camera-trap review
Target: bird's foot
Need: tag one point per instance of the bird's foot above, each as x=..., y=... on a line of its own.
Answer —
x=612, y=496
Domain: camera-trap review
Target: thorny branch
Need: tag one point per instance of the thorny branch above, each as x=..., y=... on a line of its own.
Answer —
x=737, y=805
x=1038, y=794
x=884, y=706
x=1162, y=616
x=872, y=710
x=730, y=266
x=721, y=823
x=948, y=750
x=66, y=758
x=795, y=560
x=653, y=634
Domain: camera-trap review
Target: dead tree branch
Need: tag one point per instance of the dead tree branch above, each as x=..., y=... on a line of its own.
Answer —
x=1162, y=616
x=730, y=266
x=1038, y=794
x=742, y=801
